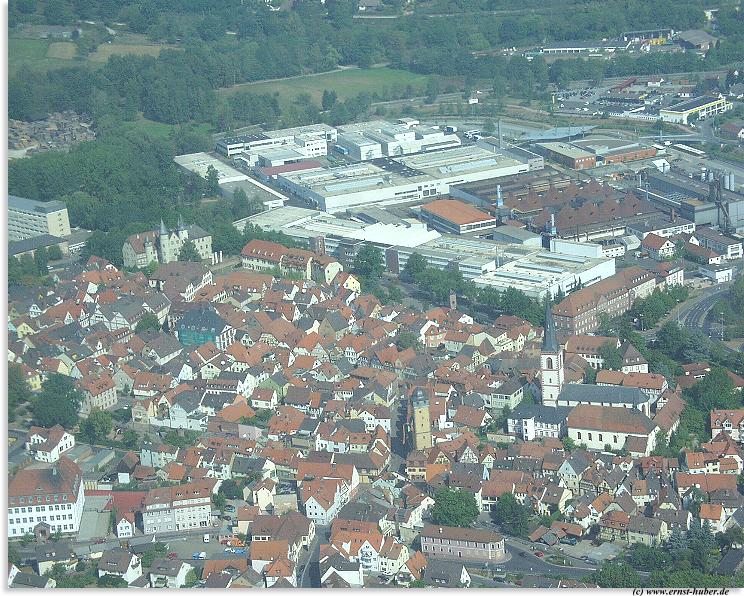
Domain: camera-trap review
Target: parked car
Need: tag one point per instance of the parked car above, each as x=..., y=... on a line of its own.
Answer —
x=172, y=555
x=230, y=508
x=239, y=551
x=569, y=540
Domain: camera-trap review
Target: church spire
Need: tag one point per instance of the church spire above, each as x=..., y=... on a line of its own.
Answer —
x=163, y=229
x=181, y=225
x=550, y=341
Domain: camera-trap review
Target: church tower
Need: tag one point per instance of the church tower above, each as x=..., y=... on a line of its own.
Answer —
x=551, y=363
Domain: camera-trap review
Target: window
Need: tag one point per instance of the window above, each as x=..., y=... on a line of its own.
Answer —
x=578, y=435
x=614, y=438
x=590, y=436
x=600, y=436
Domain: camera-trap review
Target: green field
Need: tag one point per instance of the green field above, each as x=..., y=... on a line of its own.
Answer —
x=160, y=130
x=31, y=53
x=346, y=83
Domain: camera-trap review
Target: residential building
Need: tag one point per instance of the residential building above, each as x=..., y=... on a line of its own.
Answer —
x=531, y=421
x=28, y=218
x=658, y=247
x=121, y=563
x=46, y=499
x=99, y=393
x=169, y=573
x=729, y=248
x=728, y=421
x=47, y=444
x=181, y=507
x=466, y=544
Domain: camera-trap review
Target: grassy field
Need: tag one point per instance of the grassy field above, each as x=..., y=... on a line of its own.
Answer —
x=63, y=50
x=32, y=53
x=42, y=54
x=346, y=83
x=160, y=130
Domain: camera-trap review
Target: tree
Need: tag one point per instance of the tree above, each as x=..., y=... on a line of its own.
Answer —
x=415, y=265
x=130, y=439
x=96, y=426
x=329, y=100
x=219, y=500
x=230, y=490
x=112, y=581
x=395, y=295
x=58, y=403
x=611, y=355
x=148, y=321
x=454, y=508
x=369, y=264
x=54, y=252
x=568, y=444
x=616, y=575
x=715, y=391
x=511, y=515
x=41, y=260
x=189, y=253
x=406, y=340
x=18, y=390
x=191, y=579
x=213, y=181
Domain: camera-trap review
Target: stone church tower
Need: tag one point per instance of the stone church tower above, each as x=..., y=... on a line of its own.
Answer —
x=551, y=363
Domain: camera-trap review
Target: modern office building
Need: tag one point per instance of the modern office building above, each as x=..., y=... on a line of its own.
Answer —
x=28, y=218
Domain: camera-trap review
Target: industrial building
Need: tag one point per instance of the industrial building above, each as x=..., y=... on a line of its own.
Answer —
x=28, y=218
x=609, y=151
x=700, y=107
x=567, y=155
x=542, y=273
x=199, y=164
x=514, y=261
x=397, y=180
x=692, y=198
x=365, y=141
x=312, y=140
x=455, y=217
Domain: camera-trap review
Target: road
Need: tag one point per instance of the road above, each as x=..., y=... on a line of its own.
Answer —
x=310, y=574
x=693, y=312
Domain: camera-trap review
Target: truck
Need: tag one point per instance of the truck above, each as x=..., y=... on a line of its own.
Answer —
x=450, y=129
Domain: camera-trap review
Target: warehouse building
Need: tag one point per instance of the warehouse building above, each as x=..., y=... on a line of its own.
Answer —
x=700, y=107
x=28, y=218
x=609, y=151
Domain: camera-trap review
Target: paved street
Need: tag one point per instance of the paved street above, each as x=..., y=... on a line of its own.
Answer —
x=309, y=574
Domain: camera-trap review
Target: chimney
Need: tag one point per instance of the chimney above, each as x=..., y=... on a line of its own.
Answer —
x=440, y=529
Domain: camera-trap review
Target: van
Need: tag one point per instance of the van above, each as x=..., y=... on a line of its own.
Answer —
x=206, y=538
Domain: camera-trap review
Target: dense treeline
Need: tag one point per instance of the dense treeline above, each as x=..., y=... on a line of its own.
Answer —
x=179, y=85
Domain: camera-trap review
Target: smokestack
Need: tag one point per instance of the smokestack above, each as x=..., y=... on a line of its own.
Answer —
x=499, y=196
x=501, y=139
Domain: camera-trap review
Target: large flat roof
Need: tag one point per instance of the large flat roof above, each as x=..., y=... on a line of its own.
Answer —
x=691, y=104
x=21, y=203
x=566, y=149
x=457, y=212
x=348, y=178
x=199, y=164
x=457, y=160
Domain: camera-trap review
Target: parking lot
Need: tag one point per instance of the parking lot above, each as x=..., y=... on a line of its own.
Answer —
x=584, y=548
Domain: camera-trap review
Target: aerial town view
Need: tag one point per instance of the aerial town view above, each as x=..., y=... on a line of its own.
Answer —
x=375, y=293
